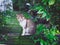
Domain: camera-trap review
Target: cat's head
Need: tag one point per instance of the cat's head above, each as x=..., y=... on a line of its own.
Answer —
x=20, y=17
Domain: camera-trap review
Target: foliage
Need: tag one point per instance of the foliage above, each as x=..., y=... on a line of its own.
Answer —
x=46, y=12
x=45, y=36
x=26, y=15
x=49, y=2
x=42, y=12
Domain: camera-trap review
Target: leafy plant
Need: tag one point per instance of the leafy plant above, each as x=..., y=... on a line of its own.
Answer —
x=46, y=36
x=48, y=2
x=42, y=12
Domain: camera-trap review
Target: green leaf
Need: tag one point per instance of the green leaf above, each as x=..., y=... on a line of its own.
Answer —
x=44, y=2
x=40, y=28
x=44, y=15
x=48, y=17
x=26, y=15
x=51, y=2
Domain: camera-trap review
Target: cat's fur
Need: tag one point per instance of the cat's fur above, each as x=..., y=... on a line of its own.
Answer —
x=27, y=25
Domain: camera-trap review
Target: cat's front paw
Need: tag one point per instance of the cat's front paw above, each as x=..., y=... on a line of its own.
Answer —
x=22, y=34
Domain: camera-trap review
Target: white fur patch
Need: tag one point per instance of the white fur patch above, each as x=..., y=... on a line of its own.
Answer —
x=23, y=23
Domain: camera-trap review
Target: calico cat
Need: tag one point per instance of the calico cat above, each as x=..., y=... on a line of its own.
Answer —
x=27, y=25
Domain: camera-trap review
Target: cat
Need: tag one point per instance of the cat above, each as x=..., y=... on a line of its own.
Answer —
x=27, y=25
